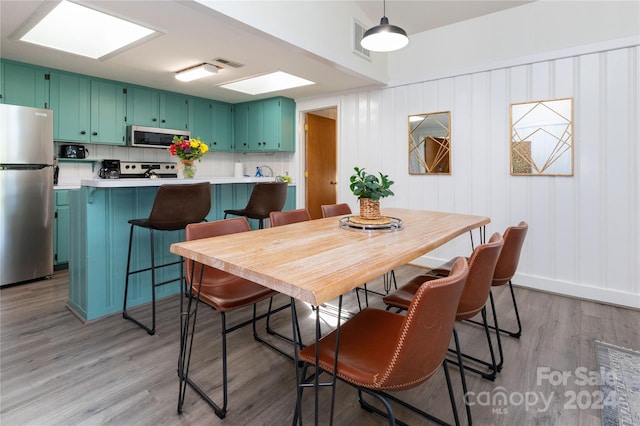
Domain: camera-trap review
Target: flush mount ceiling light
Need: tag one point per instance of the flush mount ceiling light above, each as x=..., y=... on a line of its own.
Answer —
x=384, y=37
x=77, y=29
x=194, y=73
x=267, y=83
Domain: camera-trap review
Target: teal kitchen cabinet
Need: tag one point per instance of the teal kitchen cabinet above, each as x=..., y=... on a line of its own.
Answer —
x=100, y=231
x=174, y=111
x=271, y=125
x=222, y=119
x=241, y=127
x=108, y=113
x=212, y=122
x=23, y=84
x=200, y=124
x=61, y=228
x=70, y=100
x=87, y=111
x=155, y=108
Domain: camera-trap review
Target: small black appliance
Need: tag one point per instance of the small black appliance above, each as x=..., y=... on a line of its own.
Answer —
x=110, y=169
x=73, y=151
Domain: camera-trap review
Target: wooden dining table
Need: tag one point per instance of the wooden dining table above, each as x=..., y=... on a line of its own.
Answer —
x=317, y=261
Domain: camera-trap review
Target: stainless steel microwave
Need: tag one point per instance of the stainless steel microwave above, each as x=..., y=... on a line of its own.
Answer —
x=153, y=137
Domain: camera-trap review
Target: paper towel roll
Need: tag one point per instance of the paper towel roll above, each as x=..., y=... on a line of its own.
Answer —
x=238, y=170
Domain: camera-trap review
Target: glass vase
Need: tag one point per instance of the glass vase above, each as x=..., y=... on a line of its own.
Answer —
x=188, y=169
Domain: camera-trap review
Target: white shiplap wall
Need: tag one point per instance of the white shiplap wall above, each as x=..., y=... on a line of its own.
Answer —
x=584, y=237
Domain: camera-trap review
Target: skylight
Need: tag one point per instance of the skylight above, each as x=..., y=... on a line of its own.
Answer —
x=267, y=83
x=77, y=29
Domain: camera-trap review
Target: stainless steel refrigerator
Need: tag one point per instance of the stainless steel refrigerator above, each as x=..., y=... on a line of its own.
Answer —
x=26, y=193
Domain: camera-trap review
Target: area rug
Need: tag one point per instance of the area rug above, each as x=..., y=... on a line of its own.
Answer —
x=620, y=384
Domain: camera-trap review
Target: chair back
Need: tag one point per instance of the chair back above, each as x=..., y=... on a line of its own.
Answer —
x=482, y=265
x=426, y=331
x=196, y=231
x=330, y=210
x=176, y=206
x=290, y=216
x=267, y=197
x=510, y=254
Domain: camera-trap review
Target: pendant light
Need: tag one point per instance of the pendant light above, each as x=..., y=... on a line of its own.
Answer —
x=384, y=37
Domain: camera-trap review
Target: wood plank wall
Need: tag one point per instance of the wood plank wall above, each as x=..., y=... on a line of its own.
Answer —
x=584, y=237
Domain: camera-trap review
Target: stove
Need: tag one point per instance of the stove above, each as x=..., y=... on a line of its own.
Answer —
x=132, y=169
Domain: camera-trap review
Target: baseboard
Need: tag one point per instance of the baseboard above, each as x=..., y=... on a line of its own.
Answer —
x=564, y=288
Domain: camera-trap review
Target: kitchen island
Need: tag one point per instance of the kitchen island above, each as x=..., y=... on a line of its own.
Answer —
x=99, y=212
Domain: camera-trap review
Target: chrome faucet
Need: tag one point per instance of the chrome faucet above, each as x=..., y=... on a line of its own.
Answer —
x=261, y=171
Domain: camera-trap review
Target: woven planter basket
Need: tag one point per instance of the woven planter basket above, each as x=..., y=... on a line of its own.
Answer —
x=369, y=209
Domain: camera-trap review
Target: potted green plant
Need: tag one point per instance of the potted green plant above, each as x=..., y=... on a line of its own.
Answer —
x=369, y=189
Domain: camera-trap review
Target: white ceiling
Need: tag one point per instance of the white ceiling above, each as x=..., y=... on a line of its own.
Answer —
x=195, y=34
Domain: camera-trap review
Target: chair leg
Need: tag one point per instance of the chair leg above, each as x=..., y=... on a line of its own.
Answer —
x=126, y=279
x=515, y=334
x=184, y=360
x=462, y=376
x=387, y=279
x=385, y=398
x=496, y=327
x=187, y=327
x=492, y=366
x=151, y=330
x=270, y=331
x=365, y=405
x=518, y=333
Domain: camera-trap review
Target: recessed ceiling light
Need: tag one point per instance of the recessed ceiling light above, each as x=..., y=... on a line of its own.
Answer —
x=267, y=83
x=77, y=29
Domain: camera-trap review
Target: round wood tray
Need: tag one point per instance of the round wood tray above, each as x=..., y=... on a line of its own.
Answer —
x=384, y=223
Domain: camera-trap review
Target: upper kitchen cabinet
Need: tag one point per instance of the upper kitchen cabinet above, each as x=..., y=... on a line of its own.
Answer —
x=155, y=108
x=108, y=112
x=70, y=99
x=269, y=125
x=24, y=85
x=241, y=126
x=86, y=110
x=212, y=122
x=222, y=119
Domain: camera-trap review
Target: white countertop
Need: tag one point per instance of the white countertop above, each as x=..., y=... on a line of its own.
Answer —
x=128, y=183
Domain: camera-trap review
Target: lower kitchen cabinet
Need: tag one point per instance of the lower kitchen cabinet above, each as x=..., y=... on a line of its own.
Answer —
x=61, y=228
x=100, y=237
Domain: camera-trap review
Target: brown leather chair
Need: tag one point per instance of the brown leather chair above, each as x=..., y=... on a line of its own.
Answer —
x=224, y=293
x=266, y=197
x=331, y=210
x=174, y=207
x=505, y=270
x=382, y=352
x=288, y=217
x=482, y=264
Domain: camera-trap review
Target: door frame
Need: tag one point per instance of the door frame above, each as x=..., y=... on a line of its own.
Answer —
x=303, y=108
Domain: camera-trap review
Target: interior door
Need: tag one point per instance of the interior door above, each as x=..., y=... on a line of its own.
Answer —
x=321, y=175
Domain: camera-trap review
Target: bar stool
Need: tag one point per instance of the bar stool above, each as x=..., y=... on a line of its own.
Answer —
x=265, y=198
x=174, y=207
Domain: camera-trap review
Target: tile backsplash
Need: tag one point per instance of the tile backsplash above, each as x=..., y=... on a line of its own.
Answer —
x=213, y=164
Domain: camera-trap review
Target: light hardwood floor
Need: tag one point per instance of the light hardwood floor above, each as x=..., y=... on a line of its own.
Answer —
x=57, y=371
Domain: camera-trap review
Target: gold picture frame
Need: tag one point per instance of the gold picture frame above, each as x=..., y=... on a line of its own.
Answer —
x=430, y=143
x=541, y=142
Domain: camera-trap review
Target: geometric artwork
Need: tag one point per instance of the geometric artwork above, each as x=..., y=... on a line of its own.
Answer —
x=430, y=143
x=542, y=138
